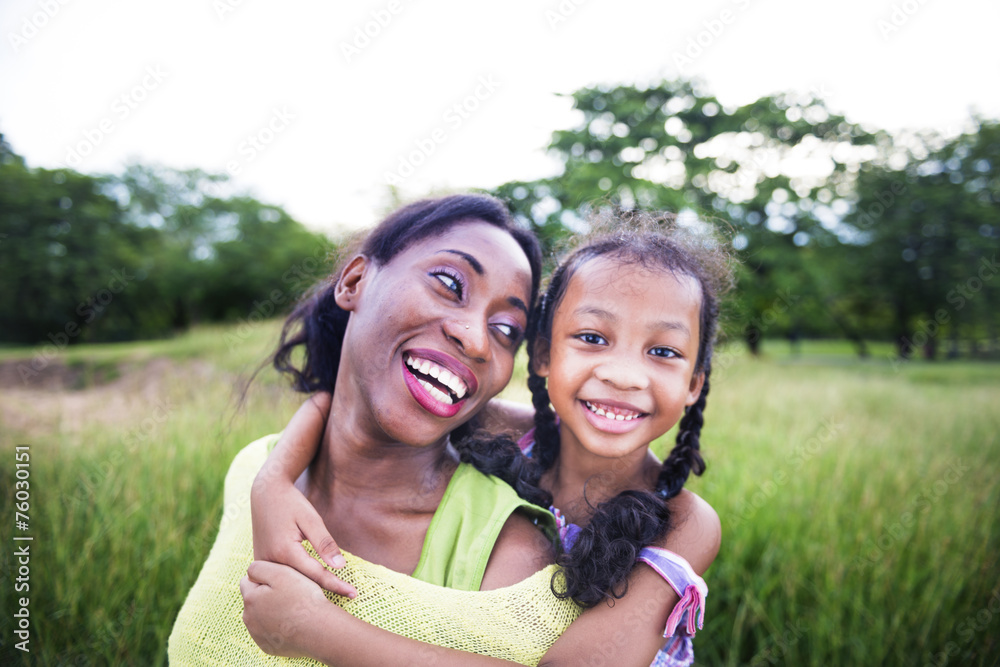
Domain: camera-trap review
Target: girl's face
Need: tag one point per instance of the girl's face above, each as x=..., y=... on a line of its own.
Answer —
x=621, y=363
x=433, y=332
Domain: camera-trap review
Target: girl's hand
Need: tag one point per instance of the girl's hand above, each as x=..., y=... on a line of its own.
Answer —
x=283, y=517
x=282, y=609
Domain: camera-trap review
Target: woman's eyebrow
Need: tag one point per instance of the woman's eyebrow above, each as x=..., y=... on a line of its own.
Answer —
x=473, y=262
x=478, y=268
x=517, y=303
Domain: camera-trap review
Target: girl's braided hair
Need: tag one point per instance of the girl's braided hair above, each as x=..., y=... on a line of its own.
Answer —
x=598, y=564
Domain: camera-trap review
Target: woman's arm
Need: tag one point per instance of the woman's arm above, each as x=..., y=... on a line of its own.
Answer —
x=282, y=516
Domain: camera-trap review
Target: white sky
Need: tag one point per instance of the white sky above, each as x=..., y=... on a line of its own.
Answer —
x=336, y=123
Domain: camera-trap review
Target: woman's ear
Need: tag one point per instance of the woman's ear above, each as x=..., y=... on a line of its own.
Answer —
x=351, y=281
x=540, y=357
x=697, y=382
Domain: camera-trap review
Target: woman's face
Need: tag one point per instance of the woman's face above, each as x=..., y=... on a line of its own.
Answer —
x=433, y=332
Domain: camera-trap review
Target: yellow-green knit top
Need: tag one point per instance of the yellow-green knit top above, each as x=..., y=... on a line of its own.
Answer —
x=517, y=623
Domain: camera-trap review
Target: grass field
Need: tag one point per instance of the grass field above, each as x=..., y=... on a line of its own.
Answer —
x=859, y=500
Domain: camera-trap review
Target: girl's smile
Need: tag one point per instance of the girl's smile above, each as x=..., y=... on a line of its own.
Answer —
x=612, y=416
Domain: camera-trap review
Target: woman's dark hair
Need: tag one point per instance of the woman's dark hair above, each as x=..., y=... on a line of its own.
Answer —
x=598, y=564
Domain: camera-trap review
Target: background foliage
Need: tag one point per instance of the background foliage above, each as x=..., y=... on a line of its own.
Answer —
x=843, y=231
x=141, y=254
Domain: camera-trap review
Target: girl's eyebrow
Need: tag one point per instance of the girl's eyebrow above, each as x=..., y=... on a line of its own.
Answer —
x=478, y=268
x=661, y=325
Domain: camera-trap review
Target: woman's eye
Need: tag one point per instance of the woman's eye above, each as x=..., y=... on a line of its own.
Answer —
x=592, y=339
x=450, y=282
x=664, y=352
x=509, y=331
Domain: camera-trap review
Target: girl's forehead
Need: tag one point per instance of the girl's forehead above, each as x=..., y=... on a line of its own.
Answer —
x=610, y=276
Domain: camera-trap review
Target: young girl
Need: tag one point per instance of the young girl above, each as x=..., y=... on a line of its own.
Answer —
x=621, y=350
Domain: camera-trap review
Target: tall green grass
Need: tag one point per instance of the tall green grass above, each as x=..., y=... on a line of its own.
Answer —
x=858, y=502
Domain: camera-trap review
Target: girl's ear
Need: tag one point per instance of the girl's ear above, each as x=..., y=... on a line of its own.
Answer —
x=694, y=391
x=349, y=286
x=540, y=357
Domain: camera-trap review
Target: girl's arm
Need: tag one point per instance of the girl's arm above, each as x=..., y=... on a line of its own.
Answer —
x=631, y=631
x=288, y=615
x=282, y=516
x=503, y=416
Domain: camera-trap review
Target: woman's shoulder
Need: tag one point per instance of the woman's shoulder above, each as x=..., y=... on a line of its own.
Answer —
x=696, y=532
x=247, y=462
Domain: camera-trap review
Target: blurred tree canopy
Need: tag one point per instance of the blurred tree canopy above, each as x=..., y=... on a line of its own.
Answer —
x=842, y=231
x=88, y=258
x=787, y=183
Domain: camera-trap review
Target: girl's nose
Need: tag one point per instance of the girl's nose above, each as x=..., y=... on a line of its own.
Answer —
x=471, y=335
x=622, y=374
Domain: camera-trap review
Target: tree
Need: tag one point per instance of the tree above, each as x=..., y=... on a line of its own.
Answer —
x=140, y=254
x=774, y=175
x=927, y=219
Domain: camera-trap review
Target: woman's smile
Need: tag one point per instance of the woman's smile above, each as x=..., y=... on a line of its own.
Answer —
x=439, y=382
x=457, y=305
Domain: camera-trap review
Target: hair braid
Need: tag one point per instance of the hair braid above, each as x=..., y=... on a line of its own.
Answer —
x=685, y=457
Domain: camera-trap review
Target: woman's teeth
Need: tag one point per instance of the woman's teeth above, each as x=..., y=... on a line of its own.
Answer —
x=621, y=415
x=435, y=392
x=442, y=375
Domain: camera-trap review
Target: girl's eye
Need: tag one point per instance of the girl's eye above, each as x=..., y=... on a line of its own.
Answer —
x=452, y=283
x=592, y=339
x=663, y=352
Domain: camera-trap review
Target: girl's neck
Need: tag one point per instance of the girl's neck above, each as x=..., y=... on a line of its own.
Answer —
x=579, y=480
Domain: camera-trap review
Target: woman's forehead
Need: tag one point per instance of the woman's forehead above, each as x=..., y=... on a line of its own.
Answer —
x=488, y=244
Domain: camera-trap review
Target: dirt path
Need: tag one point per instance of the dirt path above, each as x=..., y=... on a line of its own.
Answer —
x=50, y=402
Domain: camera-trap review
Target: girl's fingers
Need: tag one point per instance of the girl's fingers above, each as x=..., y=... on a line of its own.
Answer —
x=313, y=569
x=261, y=572
x=319, y=537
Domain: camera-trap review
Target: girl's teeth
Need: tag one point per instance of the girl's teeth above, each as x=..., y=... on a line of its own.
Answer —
x=609, y=415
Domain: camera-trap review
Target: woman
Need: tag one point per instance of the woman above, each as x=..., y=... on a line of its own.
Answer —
x=446, y=283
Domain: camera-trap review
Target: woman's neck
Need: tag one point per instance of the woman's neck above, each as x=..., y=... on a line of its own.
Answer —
x=580, y=480
x=355, y=459
x=376, y=496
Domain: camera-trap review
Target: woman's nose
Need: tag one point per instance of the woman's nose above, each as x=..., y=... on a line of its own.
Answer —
x=470, y=335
